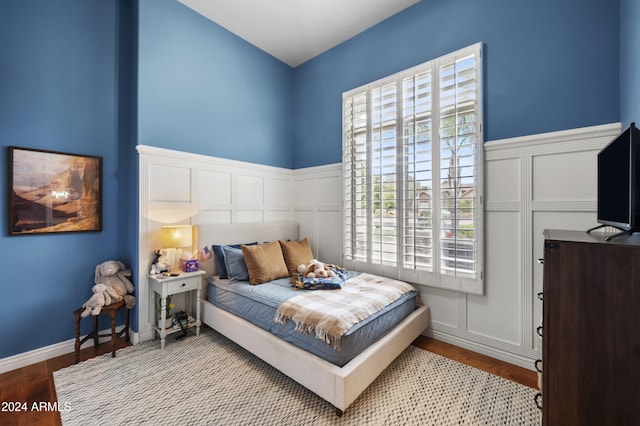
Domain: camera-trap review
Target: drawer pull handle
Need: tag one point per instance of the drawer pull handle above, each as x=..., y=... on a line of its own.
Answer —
x=538, y=365
x=541, y=260
x=539, y=330
x=540, y=296
x=538, y=400
x=184, y=284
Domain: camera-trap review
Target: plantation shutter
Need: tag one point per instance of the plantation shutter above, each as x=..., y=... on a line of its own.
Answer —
x=459, y=165
x=412, y=155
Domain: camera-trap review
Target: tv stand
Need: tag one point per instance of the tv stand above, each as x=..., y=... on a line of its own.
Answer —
x=625, y=232
x=590, y=339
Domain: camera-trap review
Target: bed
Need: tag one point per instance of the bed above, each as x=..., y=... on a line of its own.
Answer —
x=338, y=381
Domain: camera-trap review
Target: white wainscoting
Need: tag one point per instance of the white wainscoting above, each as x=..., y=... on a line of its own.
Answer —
x=531, y=183
x=317, y=207
x=183, y=188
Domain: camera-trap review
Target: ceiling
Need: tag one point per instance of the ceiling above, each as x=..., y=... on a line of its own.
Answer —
x=295, y=31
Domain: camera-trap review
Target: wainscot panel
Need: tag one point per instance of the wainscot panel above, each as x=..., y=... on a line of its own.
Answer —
x=183, y=188
x=532, y=183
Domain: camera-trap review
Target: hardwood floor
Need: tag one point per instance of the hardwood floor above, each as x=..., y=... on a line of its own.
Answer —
x=30, y=388
x=33, y=384
x=481, y=362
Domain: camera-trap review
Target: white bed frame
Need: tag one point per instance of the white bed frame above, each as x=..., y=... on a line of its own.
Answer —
x=340, y=386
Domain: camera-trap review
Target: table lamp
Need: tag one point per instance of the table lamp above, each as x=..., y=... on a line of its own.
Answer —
x=178, y=241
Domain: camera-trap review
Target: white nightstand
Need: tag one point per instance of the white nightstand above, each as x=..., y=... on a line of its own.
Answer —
x=165, y=286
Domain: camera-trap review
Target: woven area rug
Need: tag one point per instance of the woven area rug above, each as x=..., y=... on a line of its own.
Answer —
x=209, y=380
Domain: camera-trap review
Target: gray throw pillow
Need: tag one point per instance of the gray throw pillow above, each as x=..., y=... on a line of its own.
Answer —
x=234, y=261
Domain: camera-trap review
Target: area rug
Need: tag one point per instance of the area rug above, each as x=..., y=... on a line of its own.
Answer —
x=209, y=380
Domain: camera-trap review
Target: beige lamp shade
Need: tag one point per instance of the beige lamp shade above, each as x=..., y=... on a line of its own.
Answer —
x=176, y=236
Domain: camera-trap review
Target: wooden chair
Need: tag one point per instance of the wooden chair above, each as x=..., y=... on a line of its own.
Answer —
x=112, y=311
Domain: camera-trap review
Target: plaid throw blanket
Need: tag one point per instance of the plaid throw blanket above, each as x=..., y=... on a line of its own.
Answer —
x=329, y=314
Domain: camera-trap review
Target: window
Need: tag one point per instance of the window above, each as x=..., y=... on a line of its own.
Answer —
x=412, y=156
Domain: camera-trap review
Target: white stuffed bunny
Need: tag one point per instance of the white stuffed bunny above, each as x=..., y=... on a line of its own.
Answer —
x=102, y=296
x=113, y=274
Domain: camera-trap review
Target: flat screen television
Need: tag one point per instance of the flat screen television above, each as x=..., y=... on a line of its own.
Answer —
x=619, y=183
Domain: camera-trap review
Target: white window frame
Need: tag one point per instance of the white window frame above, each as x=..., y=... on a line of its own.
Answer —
x=374, y=261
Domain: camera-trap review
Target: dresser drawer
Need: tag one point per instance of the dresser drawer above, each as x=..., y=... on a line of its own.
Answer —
x=185, y=284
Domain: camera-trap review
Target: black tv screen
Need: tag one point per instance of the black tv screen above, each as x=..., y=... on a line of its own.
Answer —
x=618, y=181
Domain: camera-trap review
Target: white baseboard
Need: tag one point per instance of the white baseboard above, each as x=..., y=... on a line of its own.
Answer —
x=502, y=355
x=143, y=337
x=47, y=352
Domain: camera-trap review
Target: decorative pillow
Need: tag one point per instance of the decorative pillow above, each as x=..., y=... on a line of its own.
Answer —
x=219, y=252
x=264, y=262
x=296, y=253
x=235, y=264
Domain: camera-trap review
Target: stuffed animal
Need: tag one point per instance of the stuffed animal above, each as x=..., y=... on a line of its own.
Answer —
x=315, y=269
x=160, y=263
x=113, y=274
x=102, y=296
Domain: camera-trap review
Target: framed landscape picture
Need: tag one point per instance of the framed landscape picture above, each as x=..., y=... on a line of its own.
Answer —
x=54, y=192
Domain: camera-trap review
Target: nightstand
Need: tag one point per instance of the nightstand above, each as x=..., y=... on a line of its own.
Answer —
x=164, y=286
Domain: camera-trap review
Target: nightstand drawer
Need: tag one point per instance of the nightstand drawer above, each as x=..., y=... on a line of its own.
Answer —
x=185, y=284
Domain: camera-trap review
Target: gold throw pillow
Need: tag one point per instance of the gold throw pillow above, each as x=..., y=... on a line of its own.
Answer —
x=264, y=262
x=296, y=253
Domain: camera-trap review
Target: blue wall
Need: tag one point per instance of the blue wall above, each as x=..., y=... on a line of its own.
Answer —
x=127, y=157
x=100, y=76
x=629, y=62
x=59, y=91
x=204, y=90
x=549, y=65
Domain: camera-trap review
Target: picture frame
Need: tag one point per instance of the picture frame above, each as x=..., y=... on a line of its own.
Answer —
x=53, y=192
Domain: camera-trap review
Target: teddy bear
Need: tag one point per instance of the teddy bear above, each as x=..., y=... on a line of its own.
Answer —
x=315, y=269
x=160, y=262
x=102, y=296
x=113, y=274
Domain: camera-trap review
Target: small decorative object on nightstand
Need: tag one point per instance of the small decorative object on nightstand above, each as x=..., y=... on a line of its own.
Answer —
x=168, y=321
x=165, y=286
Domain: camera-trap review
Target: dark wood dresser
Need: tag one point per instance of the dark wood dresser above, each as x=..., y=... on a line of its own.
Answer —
x=591, y=329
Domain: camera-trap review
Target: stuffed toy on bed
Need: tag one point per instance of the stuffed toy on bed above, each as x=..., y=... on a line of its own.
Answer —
x=113, y=274
x=318, y=276
x=315, y=269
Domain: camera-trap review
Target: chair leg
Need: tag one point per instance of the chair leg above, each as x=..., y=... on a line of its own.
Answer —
x=96, y=339
x=126, y=324
x=112, y=314
x=77, y=344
